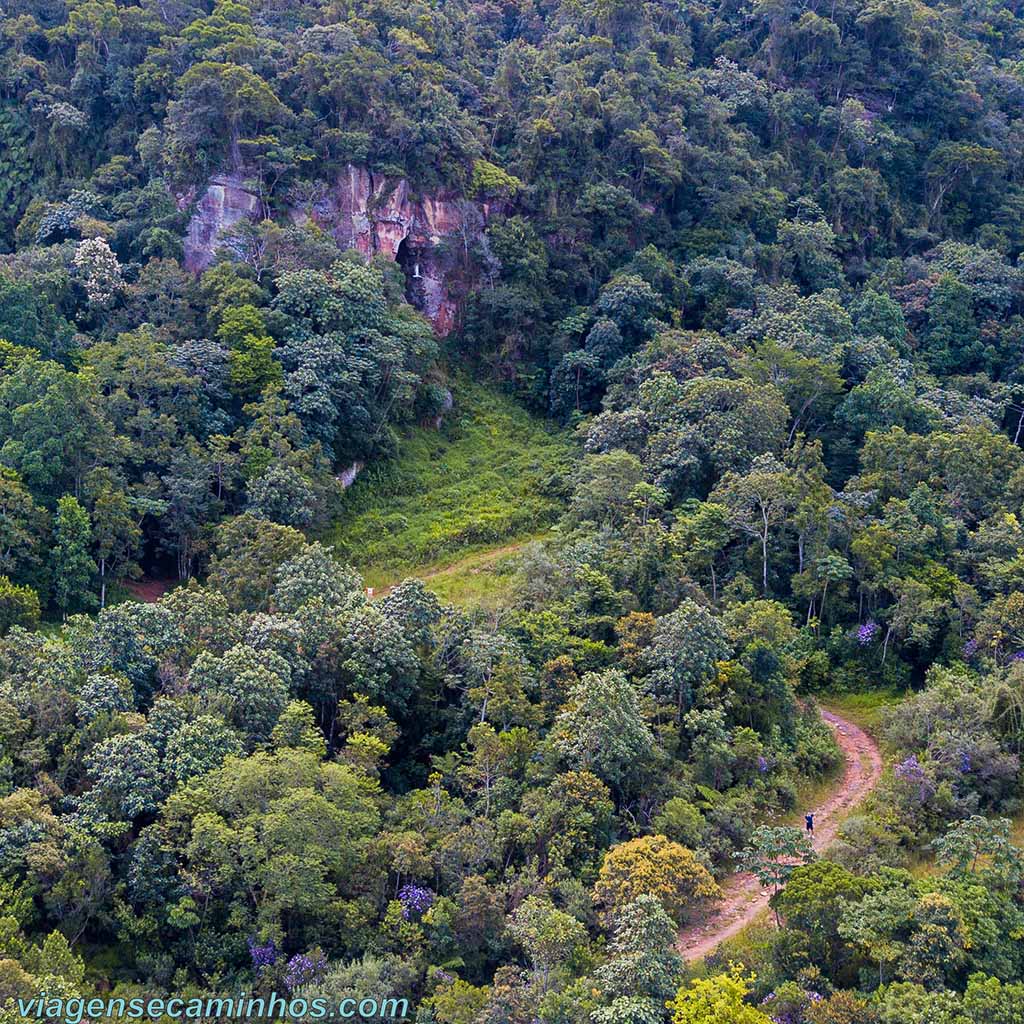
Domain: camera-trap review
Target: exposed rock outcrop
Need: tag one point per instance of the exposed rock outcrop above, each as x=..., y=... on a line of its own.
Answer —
x=347, y=477
x=432, y=235
x=225, y=202
x=447, y=404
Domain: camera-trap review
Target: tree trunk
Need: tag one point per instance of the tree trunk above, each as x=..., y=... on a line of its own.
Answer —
x=764, y=562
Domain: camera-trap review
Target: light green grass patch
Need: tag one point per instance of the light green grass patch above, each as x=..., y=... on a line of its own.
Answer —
x=479, y=579
x=493, y=474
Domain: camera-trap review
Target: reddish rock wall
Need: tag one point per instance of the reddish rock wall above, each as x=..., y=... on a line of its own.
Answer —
x=432, y=235
x=225, y=202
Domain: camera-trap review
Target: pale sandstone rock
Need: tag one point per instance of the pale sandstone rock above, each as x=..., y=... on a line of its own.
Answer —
x=432, y=234
x=225, y=202
x=347, y=477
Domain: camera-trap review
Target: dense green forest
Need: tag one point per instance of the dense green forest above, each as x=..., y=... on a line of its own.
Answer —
x=734, y=382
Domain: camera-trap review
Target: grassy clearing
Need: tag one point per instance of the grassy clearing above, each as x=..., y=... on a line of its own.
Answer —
x=493, y=475
x=481, y=578
x=865, y=709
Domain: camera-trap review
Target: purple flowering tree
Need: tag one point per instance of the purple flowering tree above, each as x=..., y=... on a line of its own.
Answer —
x=912, y=772
x=304, y=968
x=789, y=1003
x=262, y=956
x=868, y=633
x=415, y=900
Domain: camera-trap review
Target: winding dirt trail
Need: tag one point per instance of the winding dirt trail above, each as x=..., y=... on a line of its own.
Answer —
x=744, y=897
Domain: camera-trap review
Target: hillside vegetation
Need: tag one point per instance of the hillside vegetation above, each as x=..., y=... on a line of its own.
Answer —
x=736, y=293
x=491, y=475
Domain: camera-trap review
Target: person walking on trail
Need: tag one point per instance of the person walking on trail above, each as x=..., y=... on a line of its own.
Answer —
x=809, y=821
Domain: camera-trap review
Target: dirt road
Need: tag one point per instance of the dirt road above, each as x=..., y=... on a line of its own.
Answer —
x=744, y=897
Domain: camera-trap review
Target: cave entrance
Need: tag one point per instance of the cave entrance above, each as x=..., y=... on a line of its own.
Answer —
x=409, y=260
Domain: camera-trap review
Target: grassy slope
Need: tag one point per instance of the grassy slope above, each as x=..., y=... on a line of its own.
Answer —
x=492, y=476
x=481, y=578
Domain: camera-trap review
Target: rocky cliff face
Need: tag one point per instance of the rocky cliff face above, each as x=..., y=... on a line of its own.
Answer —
x=225, y=202
x=432, y=235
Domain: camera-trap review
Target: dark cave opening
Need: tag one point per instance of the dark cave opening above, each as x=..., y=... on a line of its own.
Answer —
x=409, y=261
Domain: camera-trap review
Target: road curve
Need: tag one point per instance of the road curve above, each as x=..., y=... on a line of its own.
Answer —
x=744, y=898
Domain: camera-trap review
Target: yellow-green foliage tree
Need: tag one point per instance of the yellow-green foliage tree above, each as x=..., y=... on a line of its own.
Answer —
x=717, y=1000
x=654, y=866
